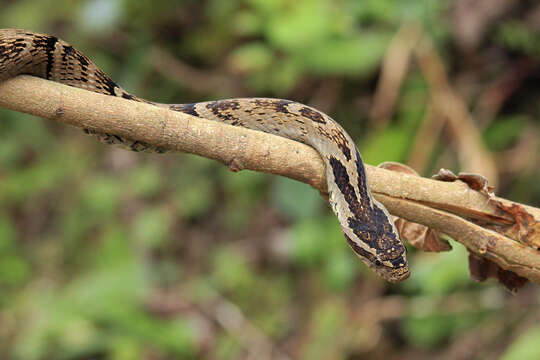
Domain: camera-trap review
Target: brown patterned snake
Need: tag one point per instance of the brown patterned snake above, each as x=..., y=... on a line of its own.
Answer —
x=365, y=222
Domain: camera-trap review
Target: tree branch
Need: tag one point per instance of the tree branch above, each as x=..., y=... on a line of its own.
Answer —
x=470, y=217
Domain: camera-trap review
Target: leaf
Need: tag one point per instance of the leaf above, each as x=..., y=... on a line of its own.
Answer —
x=433, y=328
x=250, y=58
x=358, y=55
x=439, y=273
x=302, y=25
x=525, y=347
x=340, y=270
x=503, y=132
x=295, y=199
x=153, y=226
x=389, y=145
x=315, y=239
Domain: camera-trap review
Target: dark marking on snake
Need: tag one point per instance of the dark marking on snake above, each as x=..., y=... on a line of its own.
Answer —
x=185, y=108
x=223, y=105
x=106, y=83
x=224, y=109
x=278, y=106
x=360, y=251
x=50, y=45
x=341, y=141
x=68, y=51
x=342, y=180
x=312, y=114
x=361, y=179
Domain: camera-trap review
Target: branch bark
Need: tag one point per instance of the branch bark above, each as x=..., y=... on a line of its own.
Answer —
x=466, y=215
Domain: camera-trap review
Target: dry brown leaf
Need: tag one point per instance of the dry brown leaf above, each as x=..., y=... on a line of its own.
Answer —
x=419, y=236
x=526, y=229
x=482, y=269
x=474, y=181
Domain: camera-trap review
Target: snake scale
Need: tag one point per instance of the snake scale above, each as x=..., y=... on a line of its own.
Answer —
x=365, y=222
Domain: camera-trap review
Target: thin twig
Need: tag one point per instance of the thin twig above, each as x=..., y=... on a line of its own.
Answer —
x=393, y=71
x=472, y=153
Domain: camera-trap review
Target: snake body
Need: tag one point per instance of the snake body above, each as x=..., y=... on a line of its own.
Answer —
x=365, y=222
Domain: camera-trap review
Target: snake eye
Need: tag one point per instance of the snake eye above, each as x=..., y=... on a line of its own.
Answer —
x=377, y=262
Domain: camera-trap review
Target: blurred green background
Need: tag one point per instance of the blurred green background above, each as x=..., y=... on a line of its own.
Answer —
x=108, y=254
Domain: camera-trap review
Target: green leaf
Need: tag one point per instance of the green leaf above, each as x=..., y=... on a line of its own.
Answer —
x=358, y=55
x=8, y=233
x=145, y=180
x=433, y=328
x=519, y=36
x=340, y=269
x=102, y=195
x=329, y=319
x=231, y=270
x=153, y=226
x=525, y=347
x=315, y=239
x=390, y=145
x=295, y=199
x=504, y=131
x=439, y=273
x=251, y=58
x=302, y=25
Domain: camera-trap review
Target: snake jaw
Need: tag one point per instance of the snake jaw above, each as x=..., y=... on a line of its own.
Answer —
x=392, y=267
x=393, y=274
x=391, y=258
x=393, y=270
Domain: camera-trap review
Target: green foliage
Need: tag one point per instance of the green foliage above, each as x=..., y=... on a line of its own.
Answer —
x=244, y=189
x=14, y=270
x=294, y=199
x=438, y=274
x=86, y=317
x=525, y=347
x=329, y=320
x=318, y=243
x=231, y=272
x=388, y=146
x=504, y=132
x=91, y=236
x=518, y=36
x=432, y=329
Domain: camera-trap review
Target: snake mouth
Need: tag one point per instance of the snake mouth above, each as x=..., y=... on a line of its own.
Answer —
x=393, y=275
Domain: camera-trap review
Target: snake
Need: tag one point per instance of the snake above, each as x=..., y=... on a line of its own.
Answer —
x=365, y=222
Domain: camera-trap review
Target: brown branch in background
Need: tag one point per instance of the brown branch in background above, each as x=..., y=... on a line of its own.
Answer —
x=425, y=140
x=495, y=95
x=326, y=95
x=473, y=155
x=209, y=82
x=533, y=19
x=446, y=206
x=254, y=341
x=214, y=308
x=524, y=156
x=472, y=19
x=394, y=69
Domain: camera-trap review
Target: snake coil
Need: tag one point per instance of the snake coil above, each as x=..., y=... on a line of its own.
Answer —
x=365, y=222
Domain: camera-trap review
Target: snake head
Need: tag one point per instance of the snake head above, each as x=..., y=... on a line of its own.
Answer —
x=377, y=243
